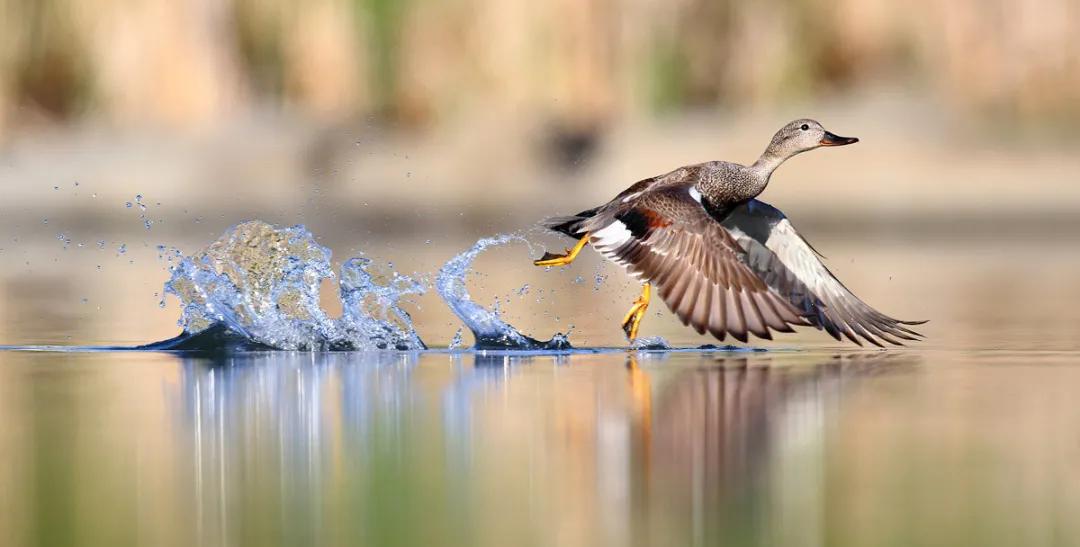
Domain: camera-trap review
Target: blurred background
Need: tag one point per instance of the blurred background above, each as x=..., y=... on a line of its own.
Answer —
x=406, y=129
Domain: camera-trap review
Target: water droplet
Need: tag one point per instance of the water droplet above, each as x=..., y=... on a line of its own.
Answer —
x=456, y=341
x=127, y=204
x=55, y=187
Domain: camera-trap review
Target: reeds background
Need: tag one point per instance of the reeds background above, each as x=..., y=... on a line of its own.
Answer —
x=582, y=63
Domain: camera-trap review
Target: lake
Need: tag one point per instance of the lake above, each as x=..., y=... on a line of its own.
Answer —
x=751, y=448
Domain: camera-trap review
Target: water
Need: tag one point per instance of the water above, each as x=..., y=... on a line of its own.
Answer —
x=796, y=448
x=261, y=283
x=257, y=288
x=966, y=439
x=488, y=329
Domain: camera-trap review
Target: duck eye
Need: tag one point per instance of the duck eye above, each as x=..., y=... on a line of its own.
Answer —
x=804, y=127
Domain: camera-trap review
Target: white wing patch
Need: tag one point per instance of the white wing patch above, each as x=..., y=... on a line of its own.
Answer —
x=611, y=236
x=695, y=194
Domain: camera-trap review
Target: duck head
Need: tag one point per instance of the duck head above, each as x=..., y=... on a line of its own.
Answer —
x=798, y=137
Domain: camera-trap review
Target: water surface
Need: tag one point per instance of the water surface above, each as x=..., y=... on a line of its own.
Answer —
x=395, y=448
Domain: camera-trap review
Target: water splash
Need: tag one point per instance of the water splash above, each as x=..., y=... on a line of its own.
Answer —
x=257, y=288
x=650, y=343
x=488, y=329
x=373, y=311
x=261, y=283
x=457, y=341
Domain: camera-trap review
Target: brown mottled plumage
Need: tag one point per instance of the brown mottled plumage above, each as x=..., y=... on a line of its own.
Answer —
x=724, y=262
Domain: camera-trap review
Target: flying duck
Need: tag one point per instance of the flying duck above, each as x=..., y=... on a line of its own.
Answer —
x=722, y=261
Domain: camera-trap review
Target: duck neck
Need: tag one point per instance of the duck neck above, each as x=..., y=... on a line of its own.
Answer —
x=768, y=162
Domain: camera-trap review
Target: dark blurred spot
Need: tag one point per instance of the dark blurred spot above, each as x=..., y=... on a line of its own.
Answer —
x=571, y=148
x=54, y=81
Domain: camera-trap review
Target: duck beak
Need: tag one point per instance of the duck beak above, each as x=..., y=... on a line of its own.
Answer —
x=835, y=140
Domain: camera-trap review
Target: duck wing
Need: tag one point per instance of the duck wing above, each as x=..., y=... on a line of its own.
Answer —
x=784, y=260
x=666, y=237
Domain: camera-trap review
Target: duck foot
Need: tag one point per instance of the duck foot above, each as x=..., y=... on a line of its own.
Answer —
x=633, y=318
x=550, y=259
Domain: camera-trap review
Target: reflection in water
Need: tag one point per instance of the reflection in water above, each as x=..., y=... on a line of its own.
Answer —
x=472, y=449
x=736, y=448
x=274, y=438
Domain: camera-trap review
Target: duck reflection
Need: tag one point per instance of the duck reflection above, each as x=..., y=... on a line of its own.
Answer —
x=740, y=441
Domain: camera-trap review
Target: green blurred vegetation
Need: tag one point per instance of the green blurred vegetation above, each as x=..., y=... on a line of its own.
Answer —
x=385, y=18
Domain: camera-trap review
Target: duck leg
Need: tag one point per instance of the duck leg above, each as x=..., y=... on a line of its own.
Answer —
x=637, y=311
x=562, y=260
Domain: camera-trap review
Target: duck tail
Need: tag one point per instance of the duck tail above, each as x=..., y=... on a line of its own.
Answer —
x=568, y=225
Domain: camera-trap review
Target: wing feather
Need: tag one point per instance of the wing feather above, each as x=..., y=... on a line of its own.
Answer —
x=667, y=238
x=787, y=263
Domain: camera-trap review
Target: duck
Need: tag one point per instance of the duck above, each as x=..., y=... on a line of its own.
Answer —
x=723, y=261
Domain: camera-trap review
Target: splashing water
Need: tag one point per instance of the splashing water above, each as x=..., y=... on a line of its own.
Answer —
x=488, y=329
x=261, y=283
x=457, y=341
x=651, y=343
x=373, y=310
x=257, y=288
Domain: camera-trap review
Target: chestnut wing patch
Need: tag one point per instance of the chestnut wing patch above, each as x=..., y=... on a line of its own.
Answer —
x=640, y=221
